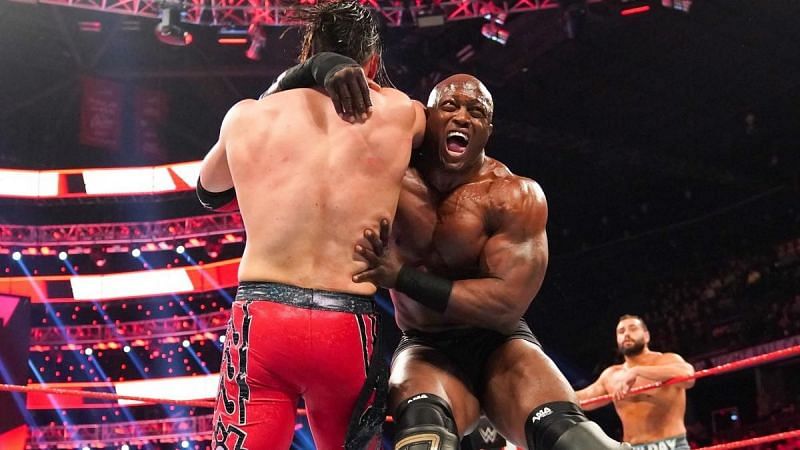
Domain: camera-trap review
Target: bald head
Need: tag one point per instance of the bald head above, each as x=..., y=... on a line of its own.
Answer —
x=464, y=84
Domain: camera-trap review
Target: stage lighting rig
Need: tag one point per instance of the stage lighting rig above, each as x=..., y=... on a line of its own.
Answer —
x=495, y=32
x=258, y=40
x=169, y=30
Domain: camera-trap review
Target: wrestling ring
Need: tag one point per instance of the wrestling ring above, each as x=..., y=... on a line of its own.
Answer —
x=745, y=363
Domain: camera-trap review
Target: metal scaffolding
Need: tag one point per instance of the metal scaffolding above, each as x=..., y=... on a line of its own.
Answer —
x=241, y=13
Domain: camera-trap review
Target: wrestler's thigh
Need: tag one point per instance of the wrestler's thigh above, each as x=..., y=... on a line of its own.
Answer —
x=520, y=377
x=421, y=369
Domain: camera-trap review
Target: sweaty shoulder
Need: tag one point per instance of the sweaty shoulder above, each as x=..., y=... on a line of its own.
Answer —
x=513, y=194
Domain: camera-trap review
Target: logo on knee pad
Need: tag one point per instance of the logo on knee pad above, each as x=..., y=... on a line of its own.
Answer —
x=432, y=439
x=541, y=414
x=417, y=397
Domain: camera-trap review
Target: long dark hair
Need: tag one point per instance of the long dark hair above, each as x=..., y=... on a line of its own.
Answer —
x=342, y=26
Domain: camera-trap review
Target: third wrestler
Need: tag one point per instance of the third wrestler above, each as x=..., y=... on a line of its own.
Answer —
x=652, y=420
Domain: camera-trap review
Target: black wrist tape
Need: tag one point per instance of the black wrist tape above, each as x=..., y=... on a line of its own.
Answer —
x=425, y=288
x=315, y=71
x=217, y=201
x=325, y=64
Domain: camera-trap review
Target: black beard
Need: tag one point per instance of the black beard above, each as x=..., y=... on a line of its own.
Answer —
x=636, y=349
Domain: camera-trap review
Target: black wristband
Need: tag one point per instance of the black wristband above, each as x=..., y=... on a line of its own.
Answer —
x=215, y=200
x=324, y=65
x=425, y=288
x=315, y=71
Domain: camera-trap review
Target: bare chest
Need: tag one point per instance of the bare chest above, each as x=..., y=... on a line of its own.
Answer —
x=446, y=235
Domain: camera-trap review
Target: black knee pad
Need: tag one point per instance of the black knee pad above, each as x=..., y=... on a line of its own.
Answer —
x=425, y=422
x=564, y=426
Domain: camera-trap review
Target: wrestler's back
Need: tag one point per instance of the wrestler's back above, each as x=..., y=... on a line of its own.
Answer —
x=652, y=415
x=309, y=183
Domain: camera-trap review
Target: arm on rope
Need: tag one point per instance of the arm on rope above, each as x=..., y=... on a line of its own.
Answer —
x=670, y=365
x=596, y=389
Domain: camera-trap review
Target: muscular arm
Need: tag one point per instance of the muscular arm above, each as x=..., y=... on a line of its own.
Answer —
x=595, y=389
x=670, y=365
x=215, y=175
x=513, y=262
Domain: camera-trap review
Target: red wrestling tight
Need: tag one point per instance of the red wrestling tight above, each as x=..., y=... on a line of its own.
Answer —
x=274, y=354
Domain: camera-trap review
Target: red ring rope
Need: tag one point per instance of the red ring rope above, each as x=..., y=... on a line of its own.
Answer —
x=724, y=368
x=104, y=395
x=754, y=441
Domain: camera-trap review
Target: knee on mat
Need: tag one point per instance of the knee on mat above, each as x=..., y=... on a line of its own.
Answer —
x=425, y=422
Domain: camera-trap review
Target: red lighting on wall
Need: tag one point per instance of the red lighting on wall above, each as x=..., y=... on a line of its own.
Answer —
x=637, y=10
x=232, y=41
x=93, y=26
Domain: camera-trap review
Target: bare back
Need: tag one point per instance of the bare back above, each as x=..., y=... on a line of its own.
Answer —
x=651, y=415
x=308, y=183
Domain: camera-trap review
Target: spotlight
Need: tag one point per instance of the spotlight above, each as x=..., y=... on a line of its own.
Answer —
x=258, y=39
x=498, y=18
x=495, y=33
x=16, y=256
x=136, y=253
x=124, y=447
x=126, y=349
x=180, y=249
x=680, y=5
x=222, y=338
x=169, y=31
x=184, y=444
x=88, y=351
x=186, y=343
x=86, y=447
x=62, y=256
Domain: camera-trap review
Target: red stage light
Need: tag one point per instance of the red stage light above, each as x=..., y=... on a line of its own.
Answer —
x=93, y=26
x=637, y=10
x=232, y=41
